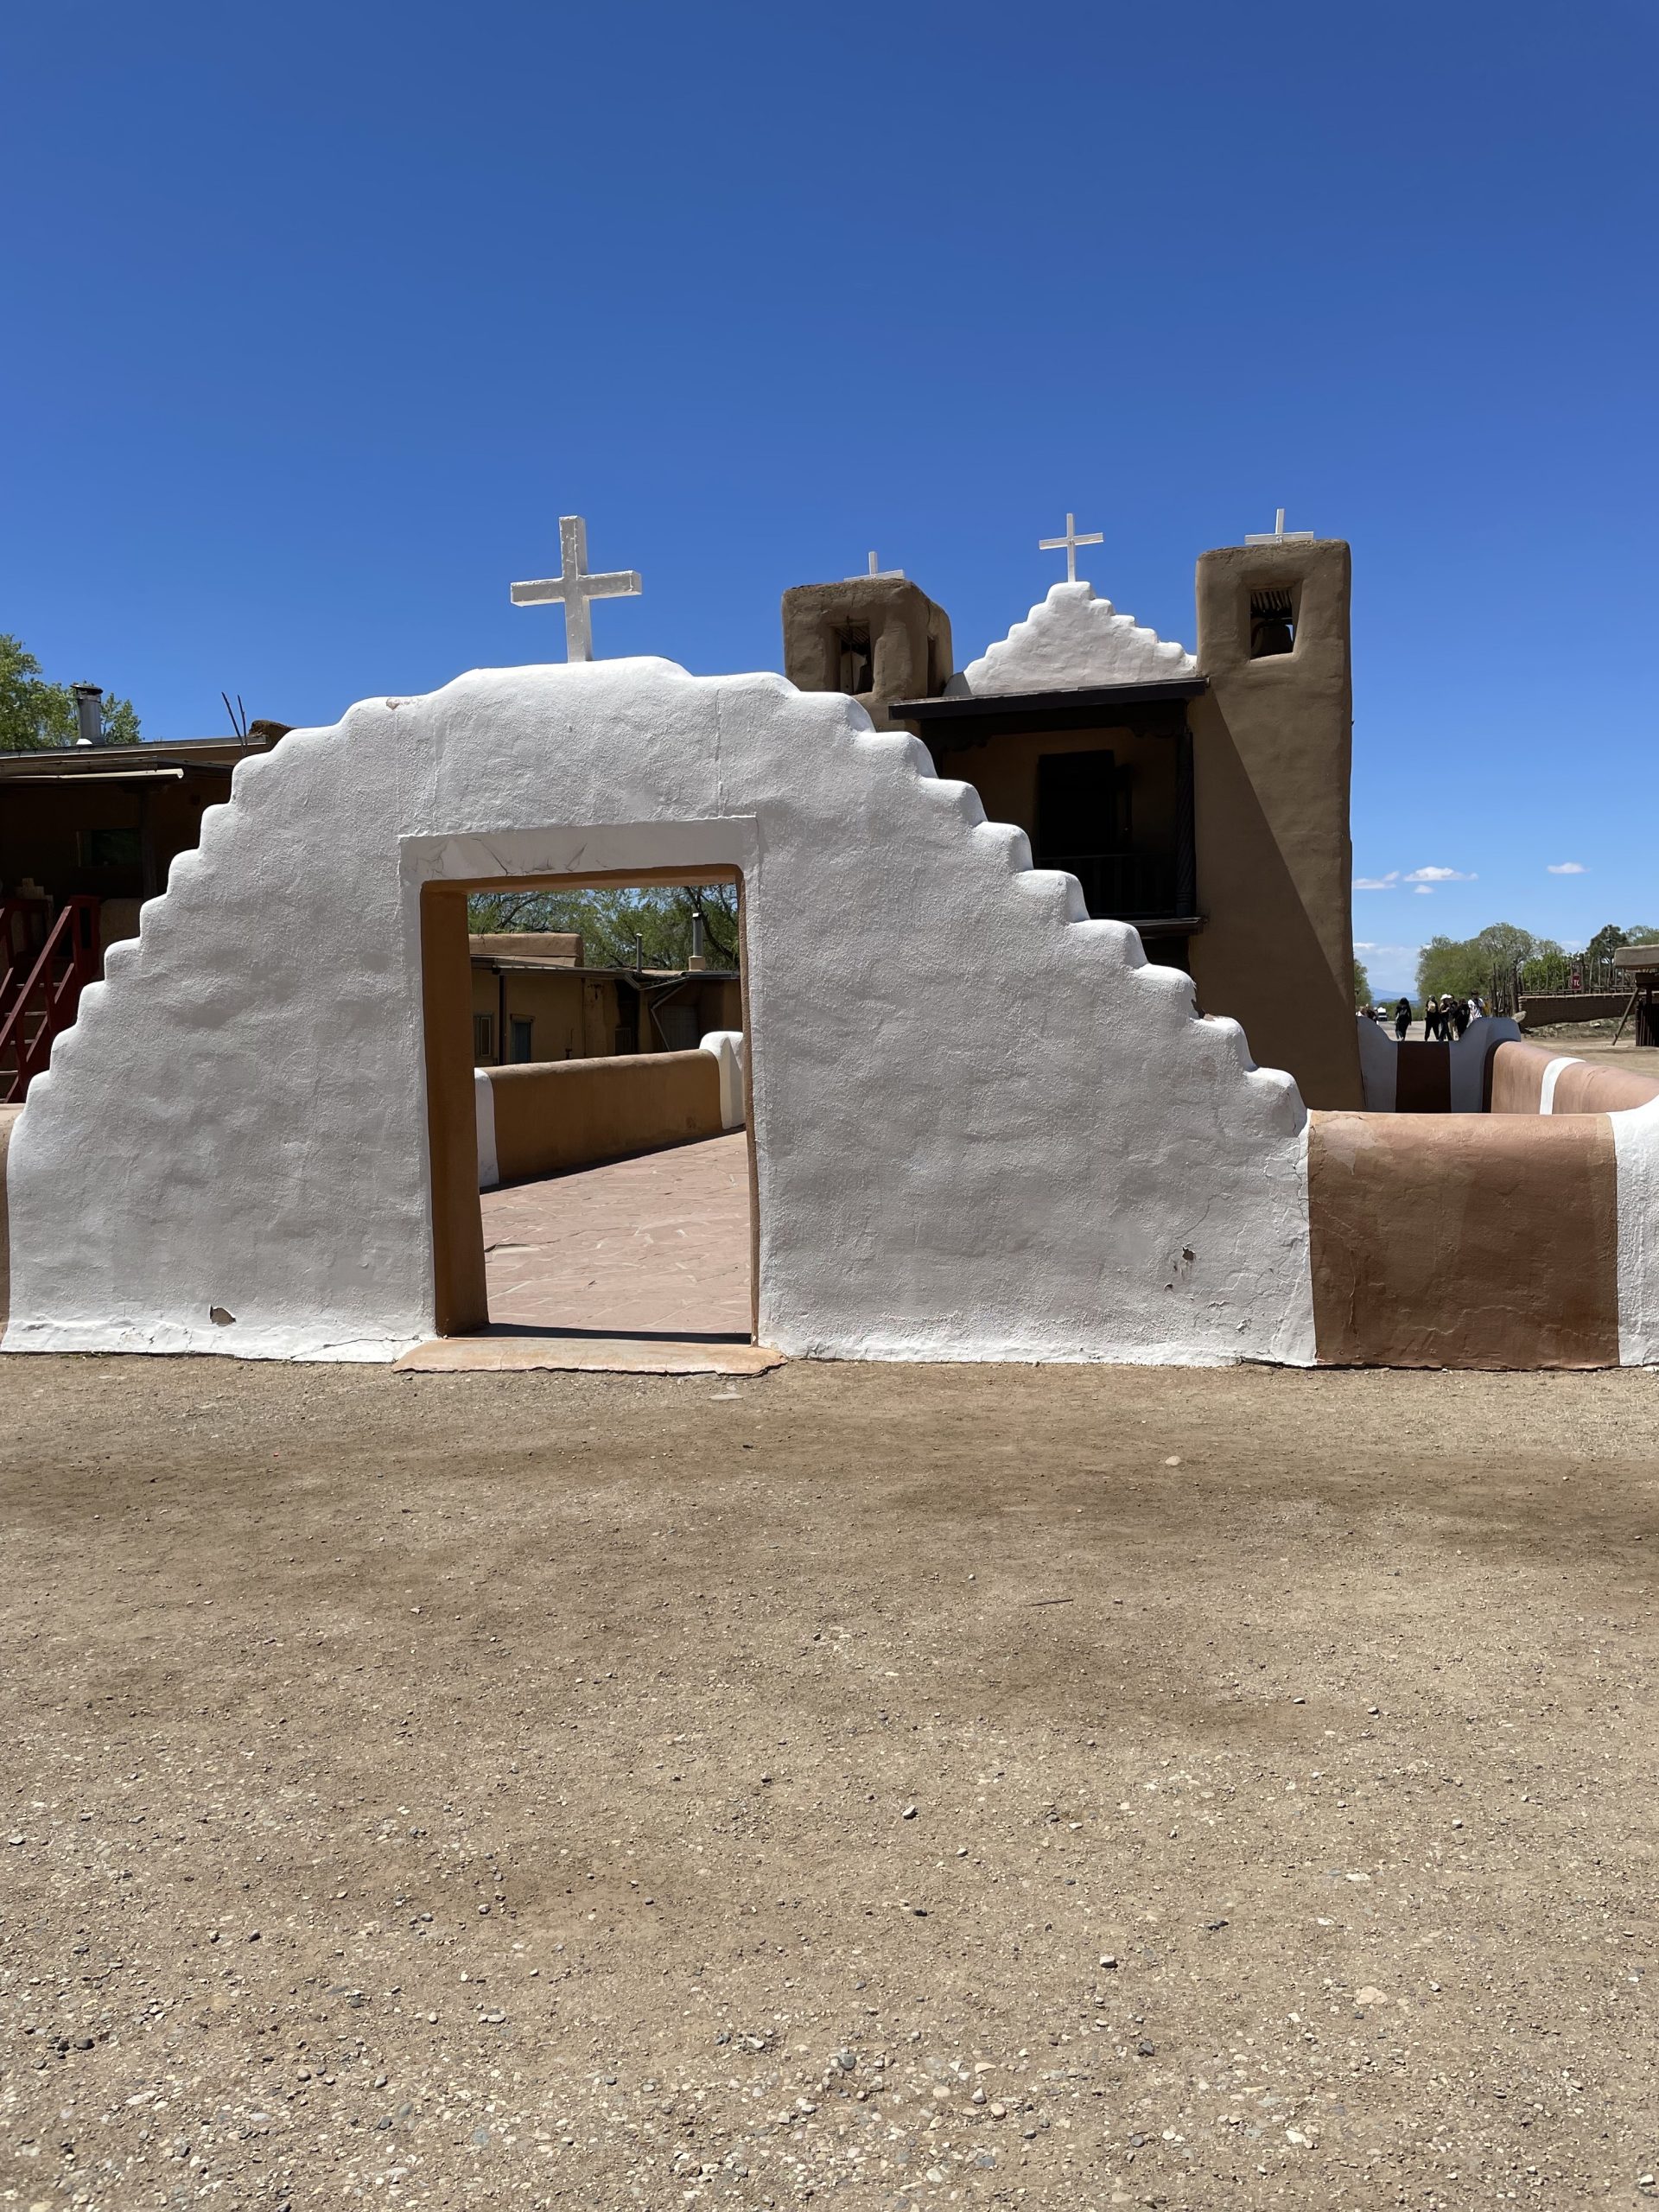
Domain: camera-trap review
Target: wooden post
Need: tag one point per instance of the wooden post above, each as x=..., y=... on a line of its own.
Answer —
x=461, y=1301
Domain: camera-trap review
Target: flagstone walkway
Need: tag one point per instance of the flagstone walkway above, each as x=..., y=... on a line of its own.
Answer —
x=656, y=1246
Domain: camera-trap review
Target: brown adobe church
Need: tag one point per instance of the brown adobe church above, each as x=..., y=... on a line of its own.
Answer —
x=1203, y=797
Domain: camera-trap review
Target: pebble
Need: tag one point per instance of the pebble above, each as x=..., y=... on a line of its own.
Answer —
x=909, y=1813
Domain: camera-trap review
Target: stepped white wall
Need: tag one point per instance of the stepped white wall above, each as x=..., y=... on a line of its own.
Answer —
x=1071, y=641
x=985, y=1127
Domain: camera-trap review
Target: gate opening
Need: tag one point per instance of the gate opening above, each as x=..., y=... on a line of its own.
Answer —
x=592, y=1164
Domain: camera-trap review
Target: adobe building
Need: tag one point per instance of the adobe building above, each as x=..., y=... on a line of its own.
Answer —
x=1202, y=796
x=535, y=999
x=106, y=822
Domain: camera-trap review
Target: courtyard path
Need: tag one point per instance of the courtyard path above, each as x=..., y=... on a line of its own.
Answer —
x=658, y=1246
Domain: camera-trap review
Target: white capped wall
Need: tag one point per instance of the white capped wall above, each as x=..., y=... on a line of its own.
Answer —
x=986, y=1127
x=1071, y=642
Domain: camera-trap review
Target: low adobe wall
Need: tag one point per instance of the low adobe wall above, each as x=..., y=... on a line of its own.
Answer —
x=1527, y=1079
x=1464, y=1240
x=1540, y=1009
x=550, y=1116
x=1422, y=1076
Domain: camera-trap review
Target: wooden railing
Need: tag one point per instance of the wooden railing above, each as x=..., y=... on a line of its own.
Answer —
x=1122, y=886
x=39, y=999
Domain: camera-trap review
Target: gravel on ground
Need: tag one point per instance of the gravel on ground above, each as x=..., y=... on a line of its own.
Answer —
x=1055, y=1788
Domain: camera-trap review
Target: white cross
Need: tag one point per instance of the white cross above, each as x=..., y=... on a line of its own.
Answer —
x=576, y=587
x=875, y=570
x=1279, y=535
x=1069, y=545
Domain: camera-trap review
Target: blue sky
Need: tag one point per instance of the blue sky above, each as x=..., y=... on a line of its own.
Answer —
x=321, y=316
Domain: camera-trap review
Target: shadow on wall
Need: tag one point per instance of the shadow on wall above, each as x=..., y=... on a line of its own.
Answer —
x=1268, y=956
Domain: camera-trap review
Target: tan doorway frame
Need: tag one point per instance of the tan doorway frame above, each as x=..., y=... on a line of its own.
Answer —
x=459, y=1296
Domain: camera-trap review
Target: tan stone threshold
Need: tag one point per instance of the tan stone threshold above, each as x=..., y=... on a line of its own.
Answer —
x=520, y=1355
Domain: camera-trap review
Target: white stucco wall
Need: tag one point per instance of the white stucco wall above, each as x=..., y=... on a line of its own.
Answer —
x=1635, y=1157
x=726, y=1046
x=489, y=1166
x=985, y=1126
x=1550, y=1078
x=1379, y=1065
x=1070, y=642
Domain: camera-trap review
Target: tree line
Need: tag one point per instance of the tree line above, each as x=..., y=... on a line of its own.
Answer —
x=650, y=927
x=1458, y=968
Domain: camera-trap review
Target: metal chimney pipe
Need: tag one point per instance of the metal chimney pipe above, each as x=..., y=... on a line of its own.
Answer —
x=697, y=960
x=89, y=712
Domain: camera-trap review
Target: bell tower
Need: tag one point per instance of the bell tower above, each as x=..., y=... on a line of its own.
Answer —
x=1274, y=741
x=877, y=638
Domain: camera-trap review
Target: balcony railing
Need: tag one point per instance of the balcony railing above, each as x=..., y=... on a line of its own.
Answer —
x=1122, y=886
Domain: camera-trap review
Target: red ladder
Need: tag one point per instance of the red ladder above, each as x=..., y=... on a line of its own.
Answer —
x=40, y=999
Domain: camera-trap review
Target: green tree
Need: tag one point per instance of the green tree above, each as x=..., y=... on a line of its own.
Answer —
x=660, y=916
x=1362, y=983
x=1606, y=942
x=36, y=716
x=1457, y=966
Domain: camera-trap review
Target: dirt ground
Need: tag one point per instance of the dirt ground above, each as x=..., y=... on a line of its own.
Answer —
x=896, y=1786
x=1593, y=1041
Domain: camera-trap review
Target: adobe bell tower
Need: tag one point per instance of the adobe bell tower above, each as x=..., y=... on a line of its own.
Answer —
x=877, y=638
x=1274, y=738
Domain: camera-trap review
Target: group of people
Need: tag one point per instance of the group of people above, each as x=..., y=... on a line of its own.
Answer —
x=1444, y=1018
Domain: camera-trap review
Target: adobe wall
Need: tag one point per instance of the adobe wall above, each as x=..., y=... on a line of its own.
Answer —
x=1464, y=1241
x=571, y=1014
x=548, y=1120
x=1529, y=1079
x=1546, y=1009
x=1271, y=755
x=985, y=1128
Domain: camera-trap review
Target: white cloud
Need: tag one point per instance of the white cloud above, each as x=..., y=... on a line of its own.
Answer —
x=1565, y=867
x=1391, y=967
x=1377, y=882
x=1425, y=890
x=1439, y=875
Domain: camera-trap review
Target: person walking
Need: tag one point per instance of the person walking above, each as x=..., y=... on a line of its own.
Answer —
x=1431, y=1020
x=1401, y=1021
x=1460, y=1015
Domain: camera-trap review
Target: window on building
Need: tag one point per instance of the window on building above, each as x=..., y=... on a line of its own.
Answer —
x=1273, y=622
x=518, y=1034
x=483, y=1039
x=678, y=1022
x=855, y=660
